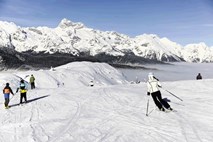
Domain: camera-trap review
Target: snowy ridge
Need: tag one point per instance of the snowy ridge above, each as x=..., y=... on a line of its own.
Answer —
x=79, y=73
x=198, y=53
x=73, y=38
x=106, y=112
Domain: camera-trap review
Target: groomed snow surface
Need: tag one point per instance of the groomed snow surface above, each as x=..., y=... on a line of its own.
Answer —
x=64, y=108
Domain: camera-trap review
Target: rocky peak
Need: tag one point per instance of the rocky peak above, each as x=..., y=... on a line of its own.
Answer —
x=65, y=23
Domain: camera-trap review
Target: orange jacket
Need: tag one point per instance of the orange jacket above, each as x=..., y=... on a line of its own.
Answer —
x=7, y=90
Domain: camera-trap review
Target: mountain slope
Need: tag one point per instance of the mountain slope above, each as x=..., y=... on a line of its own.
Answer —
x=63, y=108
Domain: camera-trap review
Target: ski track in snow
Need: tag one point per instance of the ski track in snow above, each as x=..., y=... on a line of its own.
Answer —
x=68, y=125
x=188, y=128
x=118, y=109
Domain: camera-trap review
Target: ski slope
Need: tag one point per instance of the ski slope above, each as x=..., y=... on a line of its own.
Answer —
x=64, y=108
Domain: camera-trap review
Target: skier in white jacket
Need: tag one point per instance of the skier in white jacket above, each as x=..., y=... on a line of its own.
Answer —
x=153, y=86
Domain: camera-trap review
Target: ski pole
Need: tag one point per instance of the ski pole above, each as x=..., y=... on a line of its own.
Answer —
x=147, y=107
x=22, y=78
x=172, y=94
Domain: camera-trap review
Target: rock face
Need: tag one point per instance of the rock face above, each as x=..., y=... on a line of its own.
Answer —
x=75, y=38
x=11, y=59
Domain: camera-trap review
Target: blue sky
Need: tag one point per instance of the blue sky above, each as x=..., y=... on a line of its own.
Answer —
x=182, y=21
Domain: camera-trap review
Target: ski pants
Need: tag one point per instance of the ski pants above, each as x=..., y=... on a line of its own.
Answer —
x=159, y=101
x=23, y=95
x=6, y=102
x=32, y=85
x=7, y=99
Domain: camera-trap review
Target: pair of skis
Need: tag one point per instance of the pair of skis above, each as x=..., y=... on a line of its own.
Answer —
x=147, y=107
x=165, y=111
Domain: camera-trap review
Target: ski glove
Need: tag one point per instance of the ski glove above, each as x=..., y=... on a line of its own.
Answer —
x=148, y=93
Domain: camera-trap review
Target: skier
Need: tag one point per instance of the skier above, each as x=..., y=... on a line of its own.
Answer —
x=23, y=91
x=153, y=86
x=6, y=91
x=32, y=82
x=199, y=76
x=91, y=83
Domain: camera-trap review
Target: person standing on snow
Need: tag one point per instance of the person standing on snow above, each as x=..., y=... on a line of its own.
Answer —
x=32, y=82
x=23, y=91
x=91, y=83
x=6, y=91
x=153, y=85
x=199, y=76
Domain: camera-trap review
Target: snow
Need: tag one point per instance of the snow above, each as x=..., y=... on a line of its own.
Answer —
x=64, y=108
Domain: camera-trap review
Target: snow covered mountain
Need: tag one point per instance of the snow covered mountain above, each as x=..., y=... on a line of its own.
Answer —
x=198, y=53
x=75, y=38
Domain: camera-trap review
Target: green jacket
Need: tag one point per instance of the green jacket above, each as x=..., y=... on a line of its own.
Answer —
x=32, y=79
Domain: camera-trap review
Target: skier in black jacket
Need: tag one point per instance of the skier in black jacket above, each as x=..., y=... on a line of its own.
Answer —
x=199, y=76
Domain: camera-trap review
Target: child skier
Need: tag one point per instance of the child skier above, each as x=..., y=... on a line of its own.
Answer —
x=6, y=91
x=153, y=85
x=23, y=91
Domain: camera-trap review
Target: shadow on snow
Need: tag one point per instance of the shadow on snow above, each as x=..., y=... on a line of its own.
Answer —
x=168, y=100
x=31, y=100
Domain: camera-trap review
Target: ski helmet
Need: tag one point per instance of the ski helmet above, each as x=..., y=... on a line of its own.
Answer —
x=150, y=76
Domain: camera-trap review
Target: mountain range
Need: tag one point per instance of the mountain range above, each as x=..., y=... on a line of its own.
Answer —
x=77, y=40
